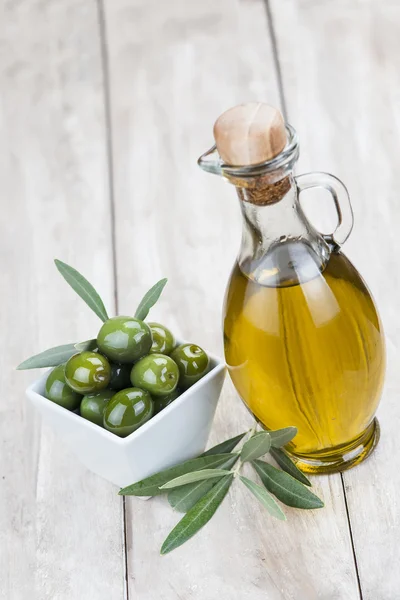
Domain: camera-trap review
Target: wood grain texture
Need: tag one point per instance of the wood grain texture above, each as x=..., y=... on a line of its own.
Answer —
x=174, y=68
x=61, y=534
x=340, y=69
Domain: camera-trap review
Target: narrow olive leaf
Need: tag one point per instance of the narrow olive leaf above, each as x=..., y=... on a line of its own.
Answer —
x=183, y=498
x=285, y=487
x=281, y=437
x=86, y=346
x=192, y=477
x=197, y=516
x=149, y=299
x=288, y=465
x=256, y=446
x=49, y=358
x=83, y=288
x=151, y=485
x=265, y=498
x=226, y=446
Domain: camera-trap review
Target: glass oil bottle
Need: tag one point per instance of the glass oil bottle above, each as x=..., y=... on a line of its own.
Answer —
x=303, y=340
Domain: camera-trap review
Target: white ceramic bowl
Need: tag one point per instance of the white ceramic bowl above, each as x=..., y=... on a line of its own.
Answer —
x=177, y=433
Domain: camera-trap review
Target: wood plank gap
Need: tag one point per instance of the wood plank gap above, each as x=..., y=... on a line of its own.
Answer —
x=351, y=538
x=125, y=549
x=110, y=166
x=275, y=55
x=109, y=144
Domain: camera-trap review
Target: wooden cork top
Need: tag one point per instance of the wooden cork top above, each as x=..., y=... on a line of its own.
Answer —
x=249, y=134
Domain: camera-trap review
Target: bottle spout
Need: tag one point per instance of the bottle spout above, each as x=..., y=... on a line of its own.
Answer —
x=211, y=161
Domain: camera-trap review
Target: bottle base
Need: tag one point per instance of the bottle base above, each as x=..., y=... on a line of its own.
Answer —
x=342, y=458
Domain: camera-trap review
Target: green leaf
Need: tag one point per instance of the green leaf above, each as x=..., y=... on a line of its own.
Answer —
x=150, y=486
x=226, y=446
x=86, y=346
x=281, y=437
x=193, y=477
x=49, y=358
x=83, y=288
x=265, y=498
x=183, y=498
x=256, y=446
x=197, y=516
x=285, y=487
x=288, y=465
x=149, y=299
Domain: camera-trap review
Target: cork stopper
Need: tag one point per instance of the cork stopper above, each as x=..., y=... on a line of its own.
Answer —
x=249, y=134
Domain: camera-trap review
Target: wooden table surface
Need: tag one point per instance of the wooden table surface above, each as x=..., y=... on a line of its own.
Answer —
x=104, y=108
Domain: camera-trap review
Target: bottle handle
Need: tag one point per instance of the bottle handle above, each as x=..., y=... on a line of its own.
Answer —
x=340, y=197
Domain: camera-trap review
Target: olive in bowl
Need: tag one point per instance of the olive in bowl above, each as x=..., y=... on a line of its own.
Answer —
x=57, y=390
x=124, y=339
x=93, y=406
x=127, y=411
x=120, y=376
x=156, y=373
x=87, y=372
x=193, y=363
x=162, y=402
x=163, y=339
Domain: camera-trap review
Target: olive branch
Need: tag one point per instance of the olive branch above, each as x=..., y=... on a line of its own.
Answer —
x=198, y=486
x=60, y=354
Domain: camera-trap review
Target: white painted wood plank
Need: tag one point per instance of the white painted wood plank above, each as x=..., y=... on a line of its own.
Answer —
x=61, y=532
x=174, y=67
x=341, y=78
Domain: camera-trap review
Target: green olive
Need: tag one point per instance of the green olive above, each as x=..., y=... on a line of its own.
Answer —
x=127, y=411
x=162, y=402
x=120, y=377
x=58, y=391
x=124, y=339
x=87, y=372
x=193, y=363
x=93, y=406
x=163, y=340
x=156, y=373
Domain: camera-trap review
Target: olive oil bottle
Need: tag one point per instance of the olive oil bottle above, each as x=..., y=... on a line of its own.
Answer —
x=303, y=340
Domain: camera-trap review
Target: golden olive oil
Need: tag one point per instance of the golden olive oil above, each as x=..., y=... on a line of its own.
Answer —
x=304, y=346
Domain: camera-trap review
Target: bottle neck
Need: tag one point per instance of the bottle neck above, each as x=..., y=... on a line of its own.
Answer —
x=279, y=245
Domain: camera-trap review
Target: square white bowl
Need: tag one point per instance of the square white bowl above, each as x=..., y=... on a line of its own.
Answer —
x=175, y=434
